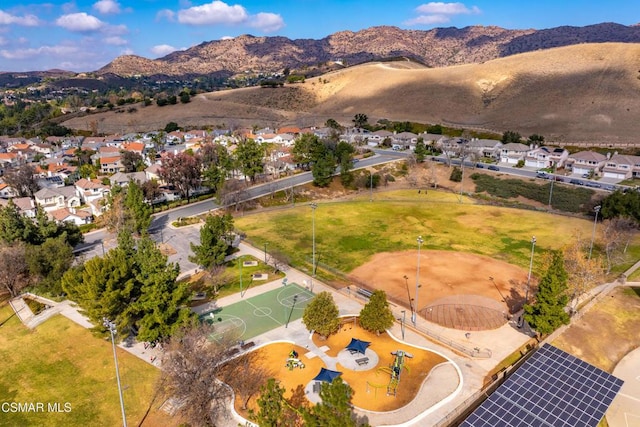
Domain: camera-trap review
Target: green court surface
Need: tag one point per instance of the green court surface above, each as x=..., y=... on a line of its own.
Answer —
x=253, y=316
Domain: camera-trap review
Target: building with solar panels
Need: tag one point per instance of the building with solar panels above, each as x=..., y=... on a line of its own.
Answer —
x=552, y=388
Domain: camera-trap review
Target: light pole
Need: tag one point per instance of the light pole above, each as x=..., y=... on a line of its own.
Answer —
x=553, y=178
x=112, y=329
x=240, y=269
x=593, y=235
x=265, y=253
x=314, y=206
x=415, y=305
x=404, y=312
x=533, y=246
x=370, y=186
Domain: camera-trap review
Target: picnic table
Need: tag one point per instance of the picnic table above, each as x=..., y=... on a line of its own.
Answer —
x=362, y=361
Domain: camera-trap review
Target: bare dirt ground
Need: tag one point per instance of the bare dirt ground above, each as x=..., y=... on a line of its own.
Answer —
x=453, y=279
x=375, y=399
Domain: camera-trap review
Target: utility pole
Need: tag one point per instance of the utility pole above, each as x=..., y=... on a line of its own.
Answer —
x=112, y=329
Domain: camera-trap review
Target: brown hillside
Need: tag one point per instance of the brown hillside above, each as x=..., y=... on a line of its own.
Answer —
x=575, y=93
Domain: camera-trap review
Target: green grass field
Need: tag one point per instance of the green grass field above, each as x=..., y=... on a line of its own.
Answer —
x=62, y=362
x=349, y=233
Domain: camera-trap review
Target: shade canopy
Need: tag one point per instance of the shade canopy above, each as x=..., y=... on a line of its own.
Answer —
x=357, y=345
x=327, y=375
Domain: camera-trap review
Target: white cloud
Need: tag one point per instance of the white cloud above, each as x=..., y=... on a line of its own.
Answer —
x=216, y=12
x=227, y=38
x=26, y=20
x=167, y=14
x=163, y=49
x=80, y=22
x=267, y=22
x=19, y=54
x=127, y=51
x=115, y=41
x=440, y=13
x=114, y=30
x=107, y=7
x=439, y=8
x=428, y=20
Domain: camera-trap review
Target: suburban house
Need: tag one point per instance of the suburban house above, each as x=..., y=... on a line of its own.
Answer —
x=585, y=163
x=405, y=139
x=76, y=216
x=7, y=192
x=92, y=193
x=51, y=199
x=546, y=157
x=485, y=148
x=153, y=172
x=376, y=138
x=25, y=205
x=621, y=166
x=513, y=152
x=111, y=164
x=123, y=179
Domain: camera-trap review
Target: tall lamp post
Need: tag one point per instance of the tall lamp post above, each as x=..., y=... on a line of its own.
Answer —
x=553, y=178
x=265, y=253
x=415, y=305
x=404, y=312
x=593, y=234
x=112, y=329
x=533, y=246
x=314, y=206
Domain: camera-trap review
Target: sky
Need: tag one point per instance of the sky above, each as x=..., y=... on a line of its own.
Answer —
x=86, y=35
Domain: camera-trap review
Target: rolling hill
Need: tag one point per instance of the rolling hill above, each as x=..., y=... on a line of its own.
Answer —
x=578, y=93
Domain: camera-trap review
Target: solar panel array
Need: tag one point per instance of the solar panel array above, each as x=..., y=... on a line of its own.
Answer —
x=552, y=388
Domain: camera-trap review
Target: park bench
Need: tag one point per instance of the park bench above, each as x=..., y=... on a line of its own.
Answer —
x=247, y=345
x=364, y=292
x=362, y=361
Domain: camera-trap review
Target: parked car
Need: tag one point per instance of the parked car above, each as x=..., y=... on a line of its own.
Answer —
x=480, y=165
x=593, y=184
x=493, y=168
x=542, y=175
x=576, y=182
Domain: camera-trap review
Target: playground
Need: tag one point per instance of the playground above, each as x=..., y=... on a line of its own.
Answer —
x=370, y=382
x=253, y=316
x=457, y=289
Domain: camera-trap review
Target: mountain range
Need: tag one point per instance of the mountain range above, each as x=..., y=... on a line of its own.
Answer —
x=438, y=47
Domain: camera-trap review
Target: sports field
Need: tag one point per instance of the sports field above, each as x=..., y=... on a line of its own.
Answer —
x=253, y=316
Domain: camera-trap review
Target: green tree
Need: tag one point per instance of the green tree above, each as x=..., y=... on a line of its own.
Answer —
x=48, y=262
x=548, y=312
x=163, y=306
x=323, y=169
x=13, y=226
x=171, y=127
x=139, y=210
x=215, y=241
x=271, y=405
x=435, y=129
x=185, y=97
x=250, y=158
x=321, y=315
x=536, y=139
x=360, y=120
x=22, y=179
x=420, y=150
x=216, y=164
x=622, y=205
x=334, y=409
x=456, y=174
x=376, y=316
x=333, y=124
x=304, y=149
x=511, y=136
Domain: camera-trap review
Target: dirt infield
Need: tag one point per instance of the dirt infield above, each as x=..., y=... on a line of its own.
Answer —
x=457, y=290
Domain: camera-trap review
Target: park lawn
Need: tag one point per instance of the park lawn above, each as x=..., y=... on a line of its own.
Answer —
x=230, y=278
x=62, y=362
x=607, y=332
x=349, y=233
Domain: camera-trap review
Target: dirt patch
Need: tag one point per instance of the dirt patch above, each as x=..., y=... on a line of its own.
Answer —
x=369, y=386
x=607, y=332
x=444, y=274
x=166, y=249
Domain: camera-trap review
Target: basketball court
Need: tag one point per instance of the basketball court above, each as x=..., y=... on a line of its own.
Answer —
x=253, y=316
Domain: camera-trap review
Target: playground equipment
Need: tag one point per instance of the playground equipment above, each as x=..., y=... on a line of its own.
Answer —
x=396, y=369
x=293, y=361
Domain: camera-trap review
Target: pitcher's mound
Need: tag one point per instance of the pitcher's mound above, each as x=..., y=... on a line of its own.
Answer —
x=467, y=312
